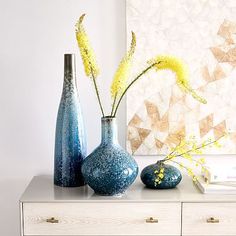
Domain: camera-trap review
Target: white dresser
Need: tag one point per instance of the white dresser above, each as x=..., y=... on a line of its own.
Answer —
x=50, y=210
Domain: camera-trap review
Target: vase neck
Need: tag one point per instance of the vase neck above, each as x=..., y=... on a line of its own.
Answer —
x=109, y=131
x=69, y=72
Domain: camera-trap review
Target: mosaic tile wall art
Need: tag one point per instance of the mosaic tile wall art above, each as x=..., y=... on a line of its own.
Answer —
x=203, y=34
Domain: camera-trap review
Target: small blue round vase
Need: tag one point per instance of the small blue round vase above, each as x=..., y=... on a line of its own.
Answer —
x=109, y=169
x=172, y=176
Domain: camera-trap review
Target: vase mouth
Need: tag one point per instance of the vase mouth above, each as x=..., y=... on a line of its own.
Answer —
x=108, y=118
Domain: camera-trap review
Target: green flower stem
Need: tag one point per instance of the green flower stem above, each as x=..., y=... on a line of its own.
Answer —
x=98, y=96
x=181, y=166
x=196, y=161
x=94, y=82
x=96, y=89
x=173, y=150
x=202, y=146
x=113, y=104
x=120, y=99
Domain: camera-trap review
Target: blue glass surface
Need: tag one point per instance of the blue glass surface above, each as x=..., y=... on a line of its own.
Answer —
x=109, y=169
x=70, y=141
x=172, y=176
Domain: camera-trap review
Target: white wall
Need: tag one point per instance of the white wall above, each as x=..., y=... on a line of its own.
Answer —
x=34, y=36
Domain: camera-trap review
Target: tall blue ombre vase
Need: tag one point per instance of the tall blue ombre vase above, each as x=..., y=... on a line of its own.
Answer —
x=109, y=169
x=70, y=141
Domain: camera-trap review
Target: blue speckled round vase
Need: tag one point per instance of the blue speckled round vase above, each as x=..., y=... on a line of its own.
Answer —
x=70, y=140
x=109, y=169
x=172, y=176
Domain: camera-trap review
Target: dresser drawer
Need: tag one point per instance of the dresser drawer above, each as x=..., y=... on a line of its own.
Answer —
x=102, y=218
x=198, y=219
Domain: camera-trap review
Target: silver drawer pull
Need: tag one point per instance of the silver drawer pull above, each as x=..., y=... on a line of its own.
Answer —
x=151, y=220
x=52, y=220
x=213, y=220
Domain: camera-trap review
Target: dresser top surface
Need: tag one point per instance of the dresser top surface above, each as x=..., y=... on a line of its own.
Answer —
x=42, y=189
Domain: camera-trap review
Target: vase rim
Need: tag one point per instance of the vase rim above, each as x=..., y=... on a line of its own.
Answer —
x=108, y=118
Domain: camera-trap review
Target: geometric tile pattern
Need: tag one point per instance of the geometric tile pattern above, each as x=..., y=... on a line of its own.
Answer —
x=203, y=33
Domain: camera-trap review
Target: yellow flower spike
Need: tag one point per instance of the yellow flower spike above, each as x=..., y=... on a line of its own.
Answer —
x=161, y=176
x=195, y=178
x=165, y=62
x=162, y=170
x=202, y=160
x=86, y=51
x=217, y=144
x=186, y=149
x=203, y=170
x=120, y=78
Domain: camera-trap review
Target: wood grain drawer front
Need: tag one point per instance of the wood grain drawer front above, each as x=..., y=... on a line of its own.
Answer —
x=209, y=219
x=102, y=218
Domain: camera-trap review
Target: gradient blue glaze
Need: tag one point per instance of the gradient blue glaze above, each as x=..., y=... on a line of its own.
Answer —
x=172, y=176
x=70, y=143
x=109, y=169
